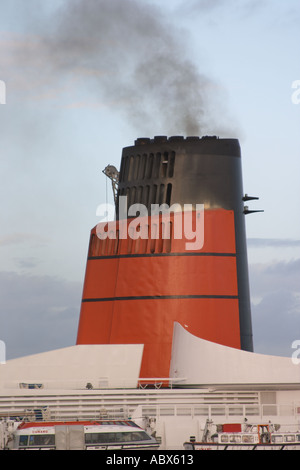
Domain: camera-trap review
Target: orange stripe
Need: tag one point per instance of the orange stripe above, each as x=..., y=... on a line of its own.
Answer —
x=174, y=275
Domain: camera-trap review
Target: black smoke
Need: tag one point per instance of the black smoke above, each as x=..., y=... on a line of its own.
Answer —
x=129, y=55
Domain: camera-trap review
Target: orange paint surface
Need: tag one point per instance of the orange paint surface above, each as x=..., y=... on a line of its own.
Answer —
x=131, y=299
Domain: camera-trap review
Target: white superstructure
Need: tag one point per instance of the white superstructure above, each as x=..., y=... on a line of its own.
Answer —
x=207, y=381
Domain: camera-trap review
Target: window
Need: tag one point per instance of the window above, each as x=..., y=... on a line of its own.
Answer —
x=23, y=441
x=42, y=440
x=277, y=439
x=113, y=437
x=289, y=438
x=248, y=439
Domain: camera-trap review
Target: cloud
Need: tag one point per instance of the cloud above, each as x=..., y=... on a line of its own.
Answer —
x=272, y=242
x=37, y=313
x=29, y=262
x=19, y=238
x=275, y=293
x=203, y=6
x=275, y=277
x=192, y=7
x=276, y=322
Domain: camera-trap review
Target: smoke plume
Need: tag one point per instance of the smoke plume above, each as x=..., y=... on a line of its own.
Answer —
x=128, y=55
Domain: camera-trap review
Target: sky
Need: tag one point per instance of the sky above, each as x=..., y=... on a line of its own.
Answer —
x=85, y=78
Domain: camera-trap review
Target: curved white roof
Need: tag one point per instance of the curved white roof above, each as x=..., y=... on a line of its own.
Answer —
x=201, y=362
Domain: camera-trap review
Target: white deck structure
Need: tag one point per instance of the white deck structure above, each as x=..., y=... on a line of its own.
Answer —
x=207, y=381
